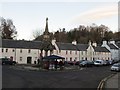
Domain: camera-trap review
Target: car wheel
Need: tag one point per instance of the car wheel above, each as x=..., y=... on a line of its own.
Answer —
x=3, y=63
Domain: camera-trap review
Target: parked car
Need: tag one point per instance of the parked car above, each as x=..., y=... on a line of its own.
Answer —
x=106, y=62
x=7, y=61
x=111, y=62
x=82, y=60
x=99, y=62
x=86, y=63
x=73, y=62
x=115, y=67
x=70, y=62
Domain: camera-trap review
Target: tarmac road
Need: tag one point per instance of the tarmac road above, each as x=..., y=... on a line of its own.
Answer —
x=84, y=78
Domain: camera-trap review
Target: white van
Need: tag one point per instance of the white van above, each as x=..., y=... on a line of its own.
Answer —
x=99, y=62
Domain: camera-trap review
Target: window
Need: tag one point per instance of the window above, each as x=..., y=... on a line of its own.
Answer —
x=66, y=59
x=66, y=52
x=6, y=50
x=2, y=50
x=81, y=52
x=60, y=51
x=91, y=58
x=35, y=58
x=20, y=58
x=71, y=59
x=75, y=58
x=76, y=52
x=29, y=51
x=20, y=50
x=82, y=58
x=70, y=52
x=13, y=50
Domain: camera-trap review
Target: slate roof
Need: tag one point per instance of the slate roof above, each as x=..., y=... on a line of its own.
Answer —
x=70, y=46
x=101, y=49
x=118, y=44
x=112, y=46
x=82, y=47
x=66, y=46
x=7, y=43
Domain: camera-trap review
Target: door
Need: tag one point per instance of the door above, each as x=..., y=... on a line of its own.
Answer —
x=29, y=60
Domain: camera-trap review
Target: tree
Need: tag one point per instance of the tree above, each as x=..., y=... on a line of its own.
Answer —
x=37, y=33
x=7, y=29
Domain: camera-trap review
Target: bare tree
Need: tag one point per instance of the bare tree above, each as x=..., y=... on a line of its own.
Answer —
x=7, y=29
x=37, y=33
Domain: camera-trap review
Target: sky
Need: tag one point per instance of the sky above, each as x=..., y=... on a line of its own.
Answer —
x=29, y=16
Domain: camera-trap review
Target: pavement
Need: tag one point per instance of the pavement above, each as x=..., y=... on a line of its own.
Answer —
x=113, y=82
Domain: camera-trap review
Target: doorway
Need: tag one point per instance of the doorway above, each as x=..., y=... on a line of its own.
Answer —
x=29, y=60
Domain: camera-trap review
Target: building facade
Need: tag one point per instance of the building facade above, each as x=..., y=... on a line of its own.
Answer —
x=21, y=51
x=113, y=48
x=73, y=51
x=28, y=52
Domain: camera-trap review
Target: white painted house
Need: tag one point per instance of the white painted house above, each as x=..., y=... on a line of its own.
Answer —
x=102, y=53
x=23, y=52
x=113, y=48
x=118, y=44
x=28, y=52
x=67, y=50
x=73, y=51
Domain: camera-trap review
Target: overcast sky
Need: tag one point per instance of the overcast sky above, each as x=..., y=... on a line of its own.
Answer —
x=28, y=16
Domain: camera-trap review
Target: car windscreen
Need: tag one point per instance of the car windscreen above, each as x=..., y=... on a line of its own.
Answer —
x=116, y=65
x=97, y=61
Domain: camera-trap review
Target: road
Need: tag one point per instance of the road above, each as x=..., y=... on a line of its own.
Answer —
x=85, y=78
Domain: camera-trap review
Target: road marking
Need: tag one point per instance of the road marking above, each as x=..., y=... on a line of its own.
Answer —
x=102, y=82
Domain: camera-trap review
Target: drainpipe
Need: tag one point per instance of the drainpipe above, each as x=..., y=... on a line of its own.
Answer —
x=15, y=55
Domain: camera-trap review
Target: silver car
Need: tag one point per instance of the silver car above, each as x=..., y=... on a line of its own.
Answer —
x=115, y=67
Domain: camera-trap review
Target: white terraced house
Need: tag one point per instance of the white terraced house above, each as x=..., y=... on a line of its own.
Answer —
x=113, y=48
x=102, y=53
x=27, y=52
x=118, y=44
x=73, y=51
x=23, y=52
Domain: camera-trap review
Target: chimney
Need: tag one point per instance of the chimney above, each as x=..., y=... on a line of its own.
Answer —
x=94, y=44
x=89, y=42
x=112, y=42
x=74, y=42
x=104, y=43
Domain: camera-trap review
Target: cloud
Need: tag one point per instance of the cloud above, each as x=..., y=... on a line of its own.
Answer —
x=99, y=13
